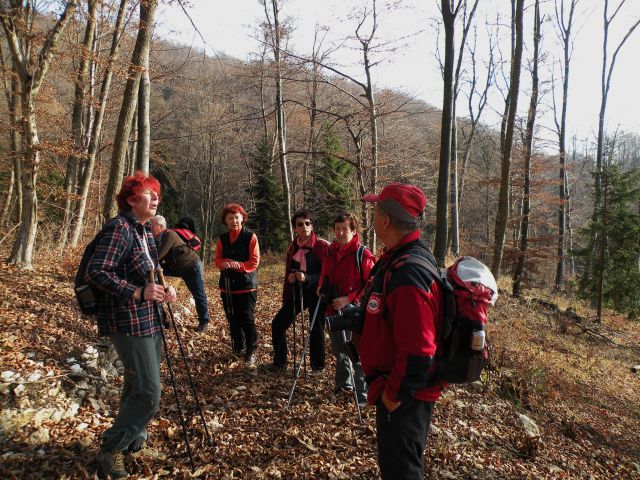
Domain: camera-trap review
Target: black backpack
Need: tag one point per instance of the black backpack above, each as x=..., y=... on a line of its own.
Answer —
x=87, y=296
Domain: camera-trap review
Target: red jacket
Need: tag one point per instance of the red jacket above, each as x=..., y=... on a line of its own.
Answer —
x=340, y=272
x=401, y=327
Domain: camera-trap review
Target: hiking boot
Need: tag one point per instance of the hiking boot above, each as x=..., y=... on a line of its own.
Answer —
x=236, y=353
x=135, y=446
x=344, y=390
x=112, y=464
x=203, y=327
x=250, y=359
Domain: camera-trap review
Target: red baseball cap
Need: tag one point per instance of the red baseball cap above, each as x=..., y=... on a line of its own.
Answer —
x=410, y=198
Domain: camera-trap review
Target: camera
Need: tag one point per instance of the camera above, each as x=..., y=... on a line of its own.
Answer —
x=350, y=317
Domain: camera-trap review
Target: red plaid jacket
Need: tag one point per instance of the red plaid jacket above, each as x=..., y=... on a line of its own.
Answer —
x=118, y=311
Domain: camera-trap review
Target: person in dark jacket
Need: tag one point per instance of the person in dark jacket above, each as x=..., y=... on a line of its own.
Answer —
x=179, y=259
x=344, y=273
x=238, y=257
x=131, y=316
x=403, y=317
x=302, y=275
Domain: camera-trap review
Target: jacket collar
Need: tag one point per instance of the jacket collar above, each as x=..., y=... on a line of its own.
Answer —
x=352, y=246
x=132, y=220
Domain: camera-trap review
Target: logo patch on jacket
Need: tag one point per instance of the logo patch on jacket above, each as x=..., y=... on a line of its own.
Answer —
x=374, y=304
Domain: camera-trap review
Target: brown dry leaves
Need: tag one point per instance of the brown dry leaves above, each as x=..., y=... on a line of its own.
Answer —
x=573, y=388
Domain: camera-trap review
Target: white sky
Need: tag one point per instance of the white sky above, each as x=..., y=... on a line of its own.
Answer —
x=229, y=27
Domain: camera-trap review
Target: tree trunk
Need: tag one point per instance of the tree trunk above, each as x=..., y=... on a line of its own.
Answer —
x=503, y=199
x=96, y=131
x=30, y=75
x=14, y=189
x=454, y=228
x=442, y=198
x=373, y=120
x=23, y=248
x=129, y=102
x=144, y=127
x=77, y=122
x=531, y=118
x=602, y=244
x=562, y=190
x=454, y=235
x=282, y=137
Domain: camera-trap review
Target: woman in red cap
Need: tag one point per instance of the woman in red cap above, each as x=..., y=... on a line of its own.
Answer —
x=344, y=274
x=238, y=257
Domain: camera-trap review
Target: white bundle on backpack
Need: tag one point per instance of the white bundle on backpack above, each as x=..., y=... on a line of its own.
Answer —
x=474, y=271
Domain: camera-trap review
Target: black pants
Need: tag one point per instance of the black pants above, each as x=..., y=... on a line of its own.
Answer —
x=283, y=320
x=241, y=319
x=402, y=438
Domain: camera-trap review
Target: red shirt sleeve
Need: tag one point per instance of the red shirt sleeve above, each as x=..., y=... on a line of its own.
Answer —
x=254, y=256
x=219, y=258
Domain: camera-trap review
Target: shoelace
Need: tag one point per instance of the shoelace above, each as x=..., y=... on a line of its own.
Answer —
x=118, y=461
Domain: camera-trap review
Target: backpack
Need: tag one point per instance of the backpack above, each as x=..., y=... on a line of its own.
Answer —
x=468, y=287
x=189, y=237
x=87, y=296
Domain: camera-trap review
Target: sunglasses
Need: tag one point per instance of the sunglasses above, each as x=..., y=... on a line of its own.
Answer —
x=305, y=223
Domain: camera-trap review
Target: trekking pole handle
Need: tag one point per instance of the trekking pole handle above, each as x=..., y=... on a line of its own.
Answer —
x=161, y=276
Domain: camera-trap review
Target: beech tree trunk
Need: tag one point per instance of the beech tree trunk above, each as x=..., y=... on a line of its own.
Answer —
x=96, y=131
x=528, y=145
x=144, y=127
x=503, y=198
x=280, y=120
x=31, y=73
x=78, y=126
x=565, y=34
x=442, y=198
x=128, y=108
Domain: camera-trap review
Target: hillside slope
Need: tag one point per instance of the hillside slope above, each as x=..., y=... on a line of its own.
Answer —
x=60, y=387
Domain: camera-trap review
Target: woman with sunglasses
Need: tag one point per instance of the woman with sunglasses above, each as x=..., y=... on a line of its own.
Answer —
x=344, y=274
x=302, y=274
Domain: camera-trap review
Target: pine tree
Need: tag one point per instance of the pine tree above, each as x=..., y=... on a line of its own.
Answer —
x=332, y=189
x=266, y=220
x=615, y=263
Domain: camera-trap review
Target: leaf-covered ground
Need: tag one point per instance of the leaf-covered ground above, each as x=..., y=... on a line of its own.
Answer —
x=60, y=388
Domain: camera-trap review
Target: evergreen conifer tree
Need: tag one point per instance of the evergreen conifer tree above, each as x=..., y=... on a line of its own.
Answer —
x=266, y=220
x=332, y=187
x=617, y=223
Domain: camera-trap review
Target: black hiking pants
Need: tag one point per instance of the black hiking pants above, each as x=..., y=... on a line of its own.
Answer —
x=402, y=438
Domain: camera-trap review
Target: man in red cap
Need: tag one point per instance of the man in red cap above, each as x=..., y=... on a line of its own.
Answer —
x=402, y=320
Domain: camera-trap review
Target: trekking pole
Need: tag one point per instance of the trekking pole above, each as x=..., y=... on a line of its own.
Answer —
x=352, y=376
x=227, y=288
x=293, y=296
x=302, y=322
x=296, y=373
x=172, y=378
x=184, y=358
x=229, y=309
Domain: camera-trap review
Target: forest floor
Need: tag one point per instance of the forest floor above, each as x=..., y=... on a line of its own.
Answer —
x=60, y=388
